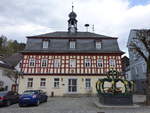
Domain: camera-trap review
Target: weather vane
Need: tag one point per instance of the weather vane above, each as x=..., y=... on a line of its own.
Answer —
x=72, y=6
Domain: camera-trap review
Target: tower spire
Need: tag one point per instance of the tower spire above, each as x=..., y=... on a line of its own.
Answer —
x=72, y=22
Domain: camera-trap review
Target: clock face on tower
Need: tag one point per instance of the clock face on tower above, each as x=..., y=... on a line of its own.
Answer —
x=72, y=29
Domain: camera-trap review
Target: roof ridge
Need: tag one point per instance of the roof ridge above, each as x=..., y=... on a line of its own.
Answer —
x=79, y=34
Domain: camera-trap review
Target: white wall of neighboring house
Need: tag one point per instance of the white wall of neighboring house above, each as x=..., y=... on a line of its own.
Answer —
x=17, y=67
x=128, y=75
x=6, y=80
x=137, y=63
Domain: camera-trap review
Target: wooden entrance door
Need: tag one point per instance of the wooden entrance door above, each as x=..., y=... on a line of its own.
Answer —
x=72, y=85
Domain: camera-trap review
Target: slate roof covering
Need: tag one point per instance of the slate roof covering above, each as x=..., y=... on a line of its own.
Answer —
x=5, y=65
x=13, y=60
x=61, y=34
x=59, y=43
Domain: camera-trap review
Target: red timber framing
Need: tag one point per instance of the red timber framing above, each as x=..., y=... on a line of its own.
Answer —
x=65, y=69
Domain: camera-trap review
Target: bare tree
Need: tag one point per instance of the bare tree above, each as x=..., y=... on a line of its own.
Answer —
x=141, y=45
x=13, y=75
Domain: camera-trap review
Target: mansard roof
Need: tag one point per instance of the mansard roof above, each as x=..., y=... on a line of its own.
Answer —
x=61, y=34
x=59, y=43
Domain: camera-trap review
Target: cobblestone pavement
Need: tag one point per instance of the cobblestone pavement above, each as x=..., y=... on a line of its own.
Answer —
x=73, y=105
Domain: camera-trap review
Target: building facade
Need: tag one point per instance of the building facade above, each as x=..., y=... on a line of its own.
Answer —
x=137, y=64
x=7, y=81
x=9, y=67
x=64, y=63
x=126, y=68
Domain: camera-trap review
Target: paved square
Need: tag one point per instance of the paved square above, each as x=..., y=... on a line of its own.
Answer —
x=73, y=105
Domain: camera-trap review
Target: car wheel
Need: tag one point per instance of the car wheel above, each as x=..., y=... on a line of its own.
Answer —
x=37, y=103
x=20, y=105
x=8, y=103
x=46, y=100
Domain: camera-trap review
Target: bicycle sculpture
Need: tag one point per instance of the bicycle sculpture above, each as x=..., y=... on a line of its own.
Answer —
x=115, y=90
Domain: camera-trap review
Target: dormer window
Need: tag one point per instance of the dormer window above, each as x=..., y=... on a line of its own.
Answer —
x=98, y=45
x=72, y=44
x=45, y=44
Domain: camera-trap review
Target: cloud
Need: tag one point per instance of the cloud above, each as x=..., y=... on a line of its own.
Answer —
x=23, y=30
x=110, y=17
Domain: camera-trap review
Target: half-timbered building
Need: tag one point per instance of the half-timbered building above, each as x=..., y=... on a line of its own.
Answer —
x=63, y=63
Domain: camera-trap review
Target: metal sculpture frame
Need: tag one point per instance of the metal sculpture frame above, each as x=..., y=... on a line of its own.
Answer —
x=114, y=95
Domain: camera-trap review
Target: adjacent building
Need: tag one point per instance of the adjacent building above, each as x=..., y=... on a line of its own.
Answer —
x=68, y=62
x=7, y=81
x=126, y=68
x=9, y=67
x=137, y=64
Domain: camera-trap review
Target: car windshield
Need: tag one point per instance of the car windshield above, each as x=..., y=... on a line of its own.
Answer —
x=30, y=92
x=2, y=93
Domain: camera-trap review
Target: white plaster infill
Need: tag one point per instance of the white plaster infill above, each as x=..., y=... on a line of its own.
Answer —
x=2, y=62
x=99, y=105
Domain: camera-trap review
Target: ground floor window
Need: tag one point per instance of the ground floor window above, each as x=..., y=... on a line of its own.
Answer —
x=43, y=82
x=56, y=82
x=30, y=83
x=87, y=83
x=6, y=88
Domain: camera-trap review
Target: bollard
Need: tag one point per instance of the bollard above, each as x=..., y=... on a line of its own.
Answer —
x=52, y=94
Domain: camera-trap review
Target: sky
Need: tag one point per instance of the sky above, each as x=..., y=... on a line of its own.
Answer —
x=21, y=18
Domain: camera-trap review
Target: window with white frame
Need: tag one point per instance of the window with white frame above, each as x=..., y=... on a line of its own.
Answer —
x=136, y=71
x=56, y=82
x=72, y=62
x=87, y=62
x=44, y=62
x=135, y=54
x=143, y=67
x=31, y=62
x=45, y=44
x=112, y=62
x=87, y=83
x=127, y=76
x=30, y=83
x=99, y=63
x=43, y=82
x=98, y=45
x=72, y=44
x=57, y=63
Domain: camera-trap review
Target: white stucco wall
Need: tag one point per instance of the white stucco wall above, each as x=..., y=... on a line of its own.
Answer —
x=17, y=67
x=63, y=89
x=7, y=81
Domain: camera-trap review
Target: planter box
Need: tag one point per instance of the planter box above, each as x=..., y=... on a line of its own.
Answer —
x=109, y=99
